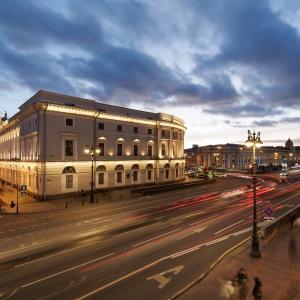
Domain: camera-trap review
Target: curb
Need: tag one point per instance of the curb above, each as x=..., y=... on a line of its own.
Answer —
x=212, y=266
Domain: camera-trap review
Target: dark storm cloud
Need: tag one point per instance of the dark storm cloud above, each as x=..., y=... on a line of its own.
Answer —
x=104, y=43
x=30, y=32
x=255, y=37
x=24, y=24
x=264, y=123
x=244, y=110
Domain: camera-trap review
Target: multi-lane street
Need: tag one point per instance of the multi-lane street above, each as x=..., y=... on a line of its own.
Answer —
x=142, y=248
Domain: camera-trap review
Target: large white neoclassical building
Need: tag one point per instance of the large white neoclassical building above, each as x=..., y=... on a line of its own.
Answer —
x=42, y=146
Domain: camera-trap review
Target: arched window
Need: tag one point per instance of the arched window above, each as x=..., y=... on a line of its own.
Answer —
x=149, y=169
x=68, y=178
x=101, y=175
x=69, y=169
x=163, y=149
x=167, y=171
x=101, y=169
x=135, y=167
x=119, y=174
x=119, y=168
x=176, y=169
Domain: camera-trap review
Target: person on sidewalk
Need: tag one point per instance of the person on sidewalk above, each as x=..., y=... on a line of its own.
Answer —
x=227, y=290
x=257, y=290
x=241, y=276
x=292, y=249
x=242, y=279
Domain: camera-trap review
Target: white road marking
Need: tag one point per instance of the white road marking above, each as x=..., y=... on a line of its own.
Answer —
x=229, y=227
x=154, y=238
x=198, y=230
x=241, y=231
x=121, y=278
x=217, y=240
x=186, y=251
x=204, y=220
x=67, y=270
x=184, y=236
x=54, y=254
x=161, y=279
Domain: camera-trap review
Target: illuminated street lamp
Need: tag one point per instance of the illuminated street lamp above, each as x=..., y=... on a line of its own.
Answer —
x=291, y=158
x=254, y=142
x=91, y=151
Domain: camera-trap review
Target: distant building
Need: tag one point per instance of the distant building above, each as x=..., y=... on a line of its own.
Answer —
x=43, y=145
x=235, y=156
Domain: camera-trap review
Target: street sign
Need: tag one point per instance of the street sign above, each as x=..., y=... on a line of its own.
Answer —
x=24, y=194
x=269, y=211
x=23, y=187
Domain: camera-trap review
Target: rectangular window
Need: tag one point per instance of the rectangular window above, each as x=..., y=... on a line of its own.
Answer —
x=135, y=130
x=119, y=177
x=135, y=175
x=119, y=128
x=101, y=178
x=149, y=131
x=101, y=126
x=149, y=174
x=119, y=149
x=69, y=122
x=69, y=148
x=69, y=181
x=165, y=134
x=149, y=150
x=102, y=149
x=176, y=172
x=135, y=150
x=175, y=135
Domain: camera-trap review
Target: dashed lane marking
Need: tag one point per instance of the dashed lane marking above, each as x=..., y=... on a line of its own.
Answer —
x=66, y=270
x=229, y=227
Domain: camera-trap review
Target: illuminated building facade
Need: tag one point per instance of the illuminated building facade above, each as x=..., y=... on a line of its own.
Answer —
x=43, y=145
x=235, y=156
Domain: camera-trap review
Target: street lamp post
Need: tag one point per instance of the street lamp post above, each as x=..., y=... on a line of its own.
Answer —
x=254, y=142
x=91, y=151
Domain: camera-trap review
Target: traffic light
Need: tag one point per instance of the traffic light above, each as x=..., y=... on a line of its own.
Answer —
x=12, y=204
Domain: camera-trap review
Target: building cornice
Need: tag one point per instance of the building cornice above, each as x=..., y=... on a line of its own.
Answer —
x=109, y=116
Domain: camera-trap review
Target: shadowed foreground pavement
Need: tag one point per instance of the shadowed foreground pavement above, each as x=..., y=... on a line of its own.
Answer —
x=277, y=269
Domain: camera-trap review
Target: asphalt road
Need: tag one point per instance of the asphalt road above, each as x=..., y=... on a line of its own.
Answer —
x=139, y=249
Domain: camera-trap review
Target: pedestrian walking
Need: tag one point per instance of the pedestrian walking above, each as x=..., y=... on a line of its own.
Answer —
x=292, y=249
x=292, y=218
x=241, y=276
x=227, y=290
x=257, y=290
x=297, y=222
x=242, y=279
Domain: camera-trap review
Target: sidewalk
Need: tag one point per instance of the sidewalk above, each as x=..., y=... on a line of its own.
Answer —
x=277, y=270
x=29, y=204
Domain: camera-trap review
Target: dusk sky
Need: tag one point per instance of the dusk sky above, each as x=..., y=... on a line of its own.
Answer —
x=223, y=66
